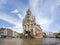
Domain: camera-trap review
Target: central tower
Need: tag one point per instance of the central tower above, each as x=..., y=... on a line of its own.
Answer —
x=29, y=24
x=30, y=27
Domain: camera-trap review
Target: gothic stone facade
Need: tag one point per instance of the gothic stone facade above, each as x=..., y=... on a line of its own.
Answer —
x=29, y=25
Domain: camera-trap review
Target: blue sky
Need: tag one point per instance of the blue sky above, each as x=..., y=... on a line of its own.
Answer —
x=46, y=12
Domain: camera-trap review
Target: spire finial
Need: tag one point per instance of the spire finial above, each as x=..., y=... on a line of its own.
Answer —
x=28, y=12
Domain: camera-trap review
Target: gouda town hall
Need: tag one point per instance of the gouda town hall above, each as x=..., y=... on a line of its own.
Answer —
x=30, y=28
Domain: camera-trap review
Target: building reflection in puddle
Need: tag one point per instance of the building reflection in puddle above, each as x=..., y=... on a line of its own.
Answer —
x=31, y=41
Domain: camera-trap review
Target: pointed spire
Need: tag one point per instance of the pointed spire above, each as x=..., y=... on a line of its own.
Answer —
x=28, y=12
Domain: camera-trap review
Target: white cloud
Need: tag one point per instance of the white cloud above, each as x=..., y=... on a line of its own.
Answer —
x=36, y=10
x=15, y=11
x=58, y=1
x=40, y=14
x=33, y=3
x=52, y=8
x=44, y=22
x=17, y=23
x=8, y=18
x=20, y=16
x=18, y=28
